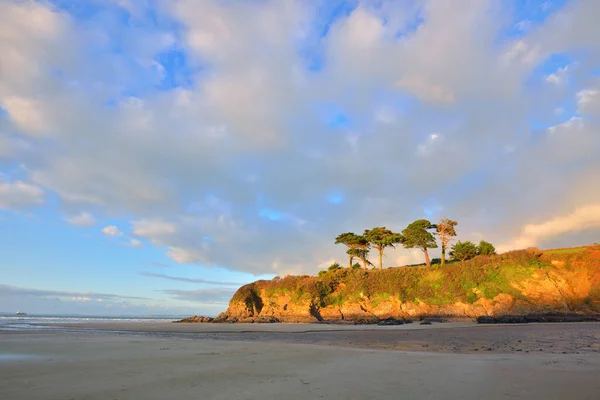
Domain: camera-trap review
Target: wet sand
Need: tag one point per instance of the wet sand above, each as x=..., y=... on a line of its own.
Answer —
x=172, y=361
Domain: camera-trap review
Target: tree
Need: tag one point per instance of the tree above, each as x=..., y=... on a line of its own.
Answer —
x=416, y=236
x=445, y=230
x=361, y=254
x=352, y=241
x=485, y=248
x=463, y=251
x=380, y=238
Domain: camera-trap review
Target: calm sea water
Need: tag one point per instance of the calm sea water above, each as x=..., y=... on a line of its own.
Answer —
x=30, y=321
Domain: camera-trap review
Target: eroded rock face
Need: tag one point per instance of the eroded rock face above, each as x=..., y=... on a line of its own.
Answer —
x=565, y=286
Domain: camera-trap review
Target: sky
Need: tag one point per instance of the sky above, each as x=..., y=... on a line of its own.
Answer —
x=157, y=154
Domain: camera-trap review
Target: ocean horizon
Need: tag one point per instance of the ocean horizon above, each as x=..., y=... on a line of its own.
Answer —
x=12, y=321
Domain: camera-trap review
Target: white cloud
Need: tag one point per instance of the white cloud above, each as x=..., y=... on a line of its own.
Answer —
x=185, y=256
x=558, y=78
x=152, y=228
x=111, y=230
x=523, y=54
x=427, y=91
x=81, y=219
x=582, y=218
x=410, y=257
x=135, y=243
x=19, y=195
x=27, y=114
x=588, y=101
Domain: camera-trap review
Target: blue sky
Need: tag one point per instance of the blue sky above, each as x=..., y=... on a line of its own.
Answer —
x=155, y=155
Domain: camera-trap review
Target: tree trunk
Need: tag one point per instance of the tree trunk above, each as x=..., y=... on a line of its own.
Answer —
x=427, y=261
x=364, y=263
x=443, y=255
x=380, y=258
x=349, y=261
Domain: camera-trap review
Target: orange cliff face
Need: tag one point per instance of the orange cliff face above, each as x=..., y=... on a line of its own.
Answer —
x=565, y=281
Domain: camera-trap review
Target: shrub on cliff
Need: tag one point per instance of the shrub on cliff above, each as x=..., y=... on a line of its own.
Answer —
x=334, y=266
x=463, y=251
x=485, y=248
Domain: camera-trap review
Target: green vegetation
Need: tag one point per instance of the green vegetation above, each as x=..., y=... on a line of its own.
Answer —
x=334, y=266
x=485, y=248
x=572, y=250
x=358, y=246
x=481, y=277
x=416, y=236
x=463, y=251
x=362, y=254
x=380, y=238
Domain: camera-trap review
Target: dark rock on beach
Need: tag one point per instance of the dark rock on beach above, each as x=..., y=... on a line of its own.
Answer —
x=391, y=321
x=196, y=319
x=524, y=319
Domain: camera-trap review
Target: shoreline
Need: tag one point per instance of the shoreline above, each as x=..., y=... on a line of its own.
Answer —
x=448, y=337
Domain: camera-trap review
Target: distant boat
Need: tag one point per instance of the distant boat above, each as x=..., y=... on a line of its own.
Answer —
x=21, y=313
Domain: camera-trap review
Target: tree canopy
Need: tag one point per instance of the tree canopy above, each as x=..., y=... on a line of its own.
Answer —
x=352, y=241
x=416, y=235
x=380, y=238
x=420, y=234
x=362, y=254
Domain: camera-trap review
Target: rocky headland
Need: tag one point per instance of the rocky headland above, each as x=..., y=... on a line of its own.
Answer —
x=519, y=286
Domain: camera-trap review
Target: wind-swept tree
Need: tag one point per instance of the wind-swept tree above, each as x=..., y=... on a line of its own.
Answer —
x=380, y=238
x=362, y=254
x=352, y=241
x=416, y=236
x=463, y=251
x=445, y=230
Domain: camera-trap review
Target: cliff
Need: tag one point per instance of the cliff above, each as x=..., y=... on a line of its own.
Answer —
x=524, y=282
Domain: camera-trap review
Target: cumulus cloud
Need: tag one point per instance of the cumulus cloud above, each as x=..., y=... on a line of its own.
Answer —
x=111, y=230
x=588, y=101
x=559, y=77
x=232, y=158
x=135, y=243
x=81, y=219
x=19, y=195
x=583, y=218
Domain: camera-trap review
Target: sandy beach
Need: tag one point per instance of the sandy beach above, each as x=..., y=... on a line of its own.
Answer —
x=298, y=361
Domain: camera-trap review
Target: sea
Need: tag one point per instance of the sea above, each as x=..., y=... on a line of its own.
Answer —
x=12, y=322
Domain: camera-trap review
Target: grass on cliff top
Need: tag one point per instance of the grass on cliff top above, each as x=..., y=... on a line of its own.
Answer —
x=466, y=282
x=571, y=250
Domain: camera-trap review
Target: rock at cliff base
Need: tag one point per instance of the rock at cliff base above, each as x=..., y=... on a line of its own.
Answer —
x=391, y=321
x=524, y=319
x=196, y=319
